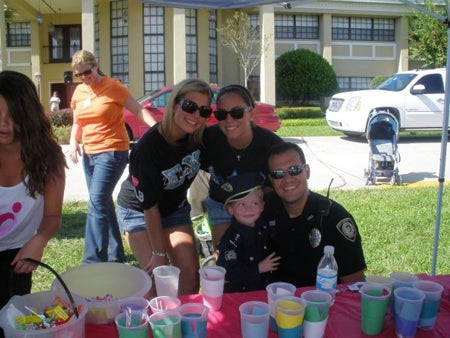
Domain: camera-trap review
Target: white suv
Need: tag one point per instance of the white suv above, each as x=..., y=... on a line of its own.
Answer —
x=415, y=97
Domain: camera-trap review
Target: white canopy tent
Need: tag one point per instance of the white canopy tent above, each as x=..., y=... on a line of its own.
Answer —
x=228, y=4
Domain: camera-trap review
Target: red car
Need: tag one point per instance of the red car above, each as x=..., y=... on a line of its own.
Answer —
x=263, y=115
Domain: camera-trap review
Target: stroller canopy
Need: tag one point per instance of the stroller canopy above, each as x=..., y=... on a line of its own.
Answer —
x=382, y=126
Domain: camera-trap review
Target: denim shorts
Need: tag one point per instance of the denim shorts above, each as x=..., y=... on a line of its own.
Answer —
x=130, y=220
x=180, y=216
x=217, y=214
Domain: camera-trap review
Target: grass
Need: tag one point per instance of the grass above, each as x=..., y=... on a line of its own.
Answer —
x=396, y=223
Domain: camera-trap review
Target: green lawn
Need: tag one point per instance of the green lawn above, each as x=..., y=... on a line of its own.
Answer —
x=396, y=223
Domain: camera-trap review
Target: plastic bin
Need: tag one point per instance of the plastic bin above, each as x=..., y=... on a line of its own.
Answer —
x=100, y=279
x=74, y=328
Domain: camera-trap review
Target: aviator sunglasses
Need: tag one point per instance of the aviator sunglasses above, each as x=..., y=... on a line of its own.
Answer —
x=235, y=113
x=191, y=107
x=293, y=170
x=85, y=73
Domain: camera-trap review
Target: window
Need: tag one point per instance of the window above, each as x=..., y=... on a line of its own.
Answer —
x=297, y=27
x=64, y=42
x=119, y=40
x=347, y=83
x=154, y=56
x=363, y=29
x=191, y=43
x=212, y=46
x=433, y=84
x=18, y=34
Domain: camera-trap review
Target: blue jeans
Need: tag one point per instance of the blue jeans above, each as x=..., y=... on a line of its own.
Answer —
x=102, y=241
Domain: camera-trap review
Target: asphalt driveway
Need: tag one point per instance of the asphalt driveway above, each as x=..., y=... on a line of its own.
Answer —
x=341, y=159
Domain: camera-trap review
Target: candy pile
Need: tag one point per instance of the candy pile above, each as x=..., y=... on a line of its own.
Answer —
x=106, y=298
x=58, y=313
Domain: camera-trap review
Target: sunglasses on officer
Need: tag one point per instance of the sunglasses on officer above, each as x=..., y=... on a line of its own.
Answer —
x=235, y=113
x=191, y=107
x=293, y=170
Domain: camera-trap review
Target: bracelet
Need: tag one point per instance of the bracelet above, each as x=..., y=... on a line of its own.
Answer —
x=160, y=254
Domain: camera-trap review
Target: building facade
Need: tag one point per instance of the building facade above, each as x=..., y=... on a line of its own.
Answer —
x=147, y=46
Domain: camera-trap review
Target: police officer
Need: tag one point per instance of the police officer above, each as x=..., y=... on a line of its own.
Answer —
x=243, y=249
x=302, y=222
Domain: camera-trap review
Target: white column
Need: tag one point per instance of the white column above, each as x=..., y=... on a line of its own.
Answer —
x=179, y=45
x=2, y=39
x=87, y=25
x=267, y=67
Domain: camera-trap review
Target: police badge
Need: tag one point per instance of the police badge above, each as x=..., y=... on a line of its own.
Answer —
x=315, y=237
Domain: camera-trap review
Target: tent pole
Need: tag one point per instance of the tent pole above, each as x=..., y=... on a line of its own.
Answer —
x=444, y=138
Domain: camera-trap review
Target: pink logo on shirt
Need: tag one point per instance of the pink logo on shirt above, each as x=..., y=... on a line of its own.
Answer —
x=8, y=220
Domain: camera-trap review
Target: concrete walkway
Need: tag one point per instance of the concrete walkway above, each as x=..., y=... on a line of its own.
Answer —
x=342, y=159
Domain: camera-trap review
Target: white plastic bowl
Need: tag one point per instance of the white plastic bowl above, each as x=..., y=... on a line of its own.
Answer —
x=101, y=279
x=75, y=327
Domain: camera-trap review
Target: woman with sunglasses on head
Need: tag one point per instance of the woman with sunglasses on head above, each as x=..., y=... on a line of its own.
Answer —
x=233, y=146
x=98, y=121
x=163, y=165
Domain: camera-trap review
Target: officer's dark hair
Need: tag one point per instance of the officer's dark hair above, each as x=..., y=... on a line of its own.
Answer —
x=284, y=147
x=243, y=92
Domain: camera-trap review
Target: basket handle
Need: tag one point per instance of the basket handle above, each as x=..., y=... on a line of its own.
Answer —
x=58, y=277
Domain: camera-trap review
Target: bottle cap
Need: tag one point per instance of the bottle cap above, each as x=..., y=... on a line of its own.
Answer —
x=328, y=249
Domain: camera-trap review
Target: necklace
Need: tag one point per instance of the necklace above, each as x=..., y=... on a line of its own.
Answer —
x=238, y=153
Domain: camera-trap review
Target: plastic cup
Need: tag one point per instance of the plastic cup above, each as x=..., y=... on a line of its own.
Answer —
x=316, y=313
x=212, y=279
x=289, y=315
x=401, y=278
x=194, y=320
x=132, y=324
x=254, y=319
x=133, y=303
x=407, y=308
x=374, y=304
x=430, y=308
x=166, y=324
x=166, y=280
x=379, y=279
x=274, y=291
x=164, y=303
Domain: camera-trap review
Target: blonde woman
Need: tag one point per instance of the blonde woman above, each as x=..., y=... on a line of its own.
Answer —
x=98, y=122
x=163, y=165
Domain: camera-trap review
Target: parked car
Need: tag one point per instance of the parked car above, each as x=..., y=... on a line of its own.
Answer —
x=415, y=98
x=264, y=114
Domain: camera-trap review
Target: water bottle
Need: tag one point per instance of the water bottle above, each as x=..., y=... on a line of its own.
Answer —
x=327, y=271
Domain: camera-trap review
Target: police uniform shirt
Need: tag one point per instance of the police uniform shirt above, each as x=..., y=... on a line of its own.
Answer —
x=241, y=248
x=161, y=172
x=300, y=240
x=222, y=161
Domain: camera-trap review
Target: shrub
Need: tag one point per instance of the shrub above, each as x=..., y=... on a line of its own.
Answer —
x=302, y=75
x=299, y=112
x=61, y=117
x=62, y=133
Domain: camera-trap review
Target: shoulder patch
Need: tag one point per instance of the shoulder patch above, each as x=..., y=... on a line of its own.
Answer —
x=347, y=229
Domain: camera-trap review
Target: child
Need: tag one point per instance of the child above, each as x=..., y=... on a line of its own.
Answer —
x=243, y=249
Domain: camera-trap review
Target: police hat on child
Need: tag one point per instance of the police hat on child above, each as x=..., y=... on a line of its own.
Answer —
x=240, y=186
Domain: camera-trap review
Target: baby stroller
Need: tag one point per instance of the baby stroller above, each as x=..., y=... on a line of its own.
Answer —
x=382, y=135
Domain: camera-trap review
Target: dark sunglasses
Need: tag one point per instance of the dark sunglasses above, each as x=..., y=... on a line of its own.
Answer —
x=191, y=107
x=235, y=113
x=85, y=73
x=293, y=170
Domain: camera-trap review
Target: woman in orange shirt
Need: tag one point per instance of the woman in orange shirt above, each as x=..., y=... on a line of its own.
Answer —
x=98, y=121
